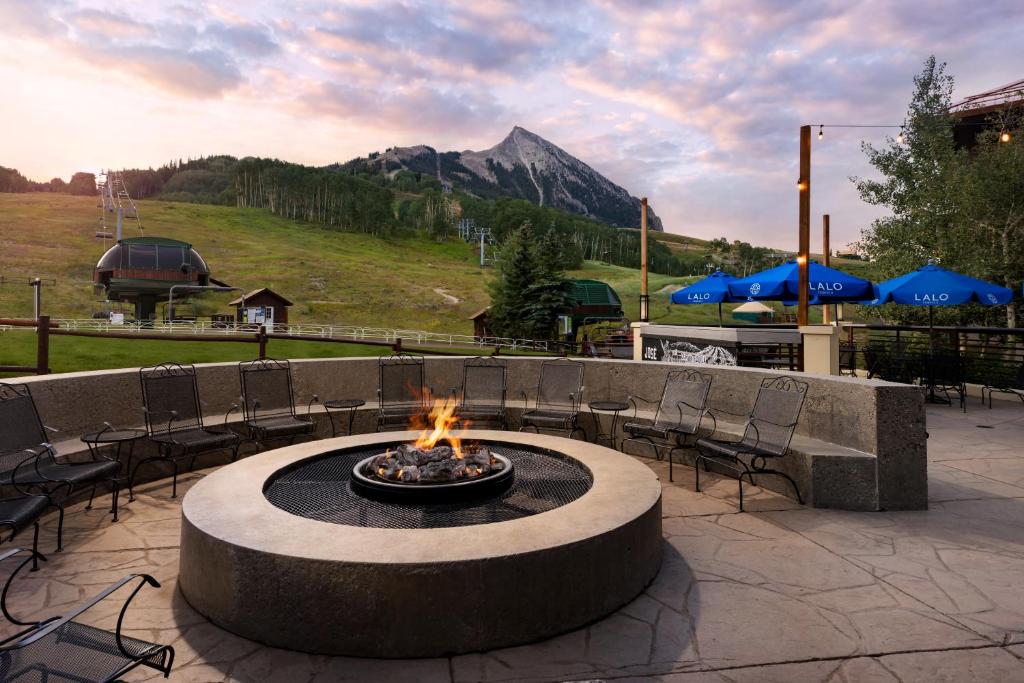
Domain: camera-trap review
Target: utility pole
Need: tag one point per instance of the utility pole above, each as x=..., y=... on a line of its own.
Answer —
x=37, y=298
x=481, y=248
x=804, y=187
x=826, y=310
x=644, y=298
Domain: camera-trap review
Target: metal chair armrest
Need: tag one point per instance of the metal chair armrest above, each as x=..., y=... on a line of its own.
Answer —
x=526, y=400
x=309, y=406
x=234, y=408
x=33, y=554
x=633, y=398
x=78, y=611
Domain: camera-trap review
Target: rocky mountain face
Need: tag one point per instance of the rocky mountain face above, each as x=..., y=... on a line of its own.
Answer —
x=526, y=166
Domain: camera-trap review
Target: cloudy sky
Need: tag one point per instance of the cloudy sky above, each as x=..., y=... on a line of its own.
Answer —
x=694, y=104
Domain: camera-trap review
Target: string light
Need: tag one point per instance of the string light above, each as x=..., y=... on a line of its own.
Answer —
x=899, y=136
x=1005, y=136
x=821, y=132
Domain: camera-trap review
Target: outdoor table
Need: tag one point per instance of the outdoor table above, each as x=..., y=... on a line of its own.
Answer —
x=118, y=438
x=613, y=407
x=341, y=405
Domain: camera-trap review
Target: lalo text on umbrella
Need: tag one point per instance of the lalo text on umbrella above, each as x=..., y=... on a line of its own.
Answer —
x=931, y=298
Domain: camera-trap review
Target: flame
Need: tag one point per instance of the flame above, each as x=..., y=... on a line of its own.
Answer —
x=442, y=417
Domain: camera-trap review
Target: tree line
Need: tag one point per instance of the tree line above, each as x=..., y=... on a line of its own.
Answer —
x=11, y=180
x=961, y=205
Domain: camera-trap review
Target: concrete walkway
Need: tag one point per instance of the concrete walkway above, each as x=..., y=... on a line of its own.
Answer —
x=781, y=593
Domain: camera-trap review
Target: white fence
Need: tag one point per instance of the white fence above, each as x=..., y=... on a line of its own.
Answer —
x=353, y=332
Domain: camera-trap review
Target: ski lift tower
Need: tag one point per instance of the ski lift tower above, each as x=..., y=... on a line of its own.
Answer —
x=114, y=198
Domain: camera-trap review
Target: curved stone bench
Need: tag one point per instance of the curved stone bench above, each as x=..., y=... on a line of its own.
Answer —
x=861, y=443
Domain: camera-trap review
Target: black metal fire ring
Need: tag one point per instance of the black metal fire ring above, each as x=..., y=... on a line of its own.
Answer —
x=483, y=486
x=322, y=488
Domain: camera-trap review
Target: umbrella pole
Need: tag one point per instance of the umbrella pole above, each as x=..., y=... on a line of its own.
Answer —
x=720, y=314
x=932, y=398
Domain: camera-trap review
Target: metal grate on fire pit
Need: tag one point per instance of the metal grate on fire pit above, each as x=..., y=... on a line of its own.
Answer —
x=321, y=489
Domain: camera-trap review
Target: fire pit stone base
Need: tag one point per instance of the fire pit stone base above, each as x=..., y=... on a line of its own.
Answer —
x=288, y=581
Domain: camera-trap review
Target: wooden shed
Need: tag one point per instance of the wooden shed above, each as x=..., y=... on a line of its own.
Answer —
x=261, y=307
x=480, y=323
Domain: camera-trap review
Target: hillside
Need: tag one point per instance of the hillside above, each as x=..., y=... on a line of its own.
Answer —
x=332, y=276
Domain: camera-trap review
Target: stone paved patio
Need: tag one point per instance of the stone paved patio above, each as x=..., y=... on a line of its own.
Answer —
x=780, y=593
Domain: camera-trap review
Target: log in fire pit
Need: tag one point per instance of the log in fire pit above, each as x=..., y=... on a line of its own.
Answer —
x=435, y=475
x=429, y=471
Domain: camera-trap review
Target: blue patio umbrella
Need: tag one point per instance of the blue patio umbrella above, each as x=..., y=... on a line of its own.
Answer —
x=782, y=283
x=714, y=289
x=932, y=286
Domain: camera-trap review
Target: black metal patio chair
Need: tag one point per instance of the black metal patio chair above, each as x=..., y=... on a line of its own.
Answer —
x=482, y=395
x=766, y=434
x=848, y=358
x=65, y=649
x=559, y=395
x=679, y=414
x=1004, y=380
x=268, y=401
x=29, y=465
x=947, y=373
x=174, y=420
x=401, y=392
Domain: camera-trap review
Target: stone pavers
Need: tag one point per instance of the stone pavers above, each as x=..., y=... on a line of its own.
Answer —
x=780, y=593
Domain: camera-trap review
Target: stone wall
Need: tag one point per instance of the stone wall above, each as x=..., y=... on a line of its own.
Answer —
x=882, y=420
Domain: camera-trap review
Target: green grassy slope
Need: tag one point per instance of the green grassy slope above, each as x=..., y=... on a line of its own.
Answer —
x=331, y=276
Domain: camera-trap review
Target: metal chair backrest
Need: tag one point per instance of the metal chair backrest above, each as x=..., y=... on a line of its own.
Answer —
x=561, y=385
x=484, y=383
x=401, y=381
x=266, y=388
x=683, y=400
x=776, y=410
x=948, y=368
x=170, y=390
x=848, y=356
x=20, y=426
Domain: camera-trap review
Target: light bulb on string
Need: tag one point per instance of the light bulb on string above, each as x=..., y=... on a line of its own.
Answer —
x=899, y=136
x=821, y=132
x=1005, y=136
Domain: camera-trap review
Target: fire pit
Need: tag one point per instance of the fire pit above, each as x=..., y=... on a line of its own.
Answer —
x=429, y=471
x=285, y=548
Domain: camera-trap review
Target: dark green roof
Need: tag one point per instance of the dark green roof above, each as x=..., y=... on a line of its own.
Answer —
x=594, y=293
x=159, y=241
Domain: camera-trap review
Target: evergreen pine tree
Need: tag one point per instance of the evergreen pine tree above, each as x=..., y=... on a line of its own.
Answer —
x=509, y=290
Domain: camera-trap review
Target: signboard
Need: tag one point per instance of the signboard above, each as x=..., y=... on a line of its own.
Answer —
x=116, y=318
x=260, y=315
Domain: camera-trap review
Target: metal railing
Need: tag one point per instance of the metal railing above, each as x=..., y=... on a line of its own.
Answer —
x=321, y=331
x=991, y=355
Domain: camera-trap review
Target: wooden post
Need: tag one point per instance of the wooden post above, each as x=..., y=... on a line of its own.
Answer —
x=397, y=347
x=261, y=336
x=826, y=310
x=804, y=186
x=43, y=345
x=644, y=298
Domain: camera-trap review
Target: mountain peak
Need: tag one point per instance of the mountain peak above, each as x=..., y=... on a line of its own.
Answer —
x=526, y=166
